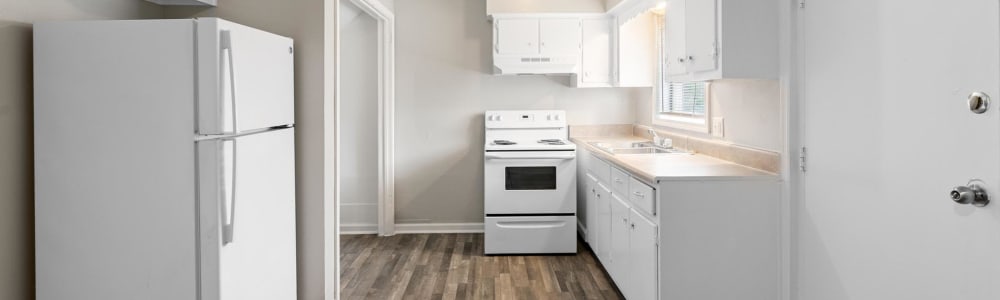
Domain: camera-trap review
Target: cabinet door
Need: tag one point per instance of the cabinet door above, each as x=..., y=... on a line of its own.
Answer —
x=516, y=36
x=603, y=196
x=559, y=36
x=620, y=230
x=591, y=204
x=674, y=38
x=642, y=254
x=701, y=35
x=596, y=56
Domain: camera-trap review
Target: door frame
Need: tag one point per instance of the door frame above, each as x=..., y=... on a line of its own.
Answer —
x=386, y=115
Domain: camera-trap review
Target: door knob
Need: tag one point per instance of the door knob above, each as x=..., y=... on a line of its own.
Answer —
x=973, y=193
x=979, y=102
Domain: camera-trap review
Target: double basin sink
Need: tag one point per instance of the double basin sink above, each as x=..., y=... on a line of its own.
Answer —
x=635, y=148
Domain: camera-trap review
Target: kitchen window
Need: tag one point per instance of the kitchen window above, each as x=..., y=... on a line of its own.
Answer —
x=681, y=105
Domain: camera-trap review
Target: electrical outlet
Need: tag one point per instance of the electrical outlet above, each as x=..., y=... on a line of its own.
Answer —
x=718, y=127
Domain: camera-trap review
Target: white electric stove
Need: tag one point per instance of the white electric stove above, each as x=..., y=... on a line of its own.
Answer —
x=529, y=183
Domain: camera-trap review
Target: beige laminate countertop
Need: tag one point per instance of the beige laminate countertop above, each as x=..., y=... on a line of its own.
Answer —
x=659, y=167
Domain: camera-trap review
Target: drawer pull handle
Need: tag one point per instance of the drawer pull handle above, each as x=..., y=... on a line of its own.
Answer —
x=640, y=195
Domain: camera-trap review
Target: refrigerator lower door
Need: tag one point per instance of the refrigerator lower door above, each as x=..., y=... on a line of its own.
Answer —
x=247, y=207
x=246, y=78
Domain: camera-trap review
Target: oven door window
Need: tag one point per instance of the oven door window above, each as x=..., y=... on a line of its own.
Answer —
x=530, y=178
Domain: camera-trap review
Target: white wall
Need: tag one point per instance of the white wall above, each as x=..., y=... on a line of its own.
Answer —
x=359, y=117
x=16, y=158
x=444, y=84
x=308, y=23
x=751, y=109
x=546, y=6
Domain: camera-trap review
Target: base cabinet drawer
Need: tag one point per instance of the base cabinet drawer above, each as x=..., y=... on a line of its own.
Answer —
x=642, y=196
x=527, y=235
x=619, y=182
x=601, y=169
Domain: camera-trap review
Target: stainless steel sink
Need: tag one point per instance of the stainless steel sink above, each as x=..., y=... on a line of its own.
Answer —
x=636, y=148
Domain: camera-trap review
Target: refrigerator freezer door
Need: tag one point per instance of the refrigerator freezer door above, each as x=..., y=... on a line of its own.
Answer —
x=247, y=222
x=245, y=78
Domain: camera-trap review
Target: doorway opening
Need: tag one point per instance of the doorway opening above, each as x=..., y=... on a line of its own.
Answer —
x=364, y=113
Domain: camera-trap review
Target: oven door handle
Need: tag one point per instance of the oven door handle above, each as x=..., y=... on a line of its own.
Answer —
x=519, y=155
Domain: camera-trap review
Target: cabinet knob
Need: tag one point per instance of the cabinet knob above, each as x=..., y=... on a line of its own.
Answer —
x=680, y=59
x=633, y=226
x=690, y=58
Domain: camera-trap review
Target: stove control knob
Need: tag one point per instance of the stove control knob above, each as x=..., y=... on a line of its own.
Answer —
x=548, y=117
x=557, y=117
x=489, y=118
x=498, y=118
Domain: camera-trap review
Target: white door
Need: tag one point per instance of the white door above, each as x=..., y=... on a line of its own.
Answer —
x=248, y=217
x=517, y=36
x=541, y=184
x=596, y=52
x=559, y=36
x=642, y=256
x=592, y=217
x=675, y=53
x=603, y=248
x=889, y=133
x=247, y=68
x=700, y=32
x=620, y=245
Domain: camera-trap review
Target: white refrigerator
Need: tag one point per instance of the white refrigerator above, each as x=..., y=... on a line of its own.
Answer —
x=164, y=161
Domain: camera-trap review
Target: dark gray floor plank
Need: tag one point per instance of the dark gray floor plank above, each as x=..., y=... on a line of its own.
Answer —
x=452, y=266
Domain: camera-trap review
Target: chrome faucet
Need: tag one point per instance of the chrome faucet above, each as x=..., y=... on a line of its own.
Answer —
x=660, y=141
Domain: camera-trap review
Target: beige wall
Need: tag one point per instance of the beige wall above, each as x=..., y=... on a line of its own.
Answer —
x=546, y=6
x=751, y=109
x=304, y=21
x=16, y=159
x=444, y=84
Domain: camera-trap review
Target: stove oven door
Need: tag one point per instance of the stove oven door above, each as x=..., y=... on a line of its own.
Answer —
x=530, y=183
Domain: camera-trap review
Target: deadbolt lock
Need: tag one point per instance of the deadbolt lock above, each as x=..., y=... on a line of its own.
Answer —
x=973, y=194
x=979, y=102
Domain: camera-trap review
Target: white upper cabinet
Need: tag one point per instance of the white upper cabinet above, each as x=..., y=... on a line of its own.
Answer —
x=517, y=36
x=700, y=35
x=675, y=53
x=716, y=39
x=559, y=36
x=536, y=44
x=595, y=59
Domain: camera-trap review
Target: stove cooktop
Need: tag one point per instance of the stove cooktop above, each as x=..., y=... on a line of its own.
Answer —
x=532, y=145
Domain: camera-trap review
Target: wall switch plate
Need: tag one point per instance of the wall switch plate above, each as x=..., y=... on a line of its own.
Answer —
x=718, y=127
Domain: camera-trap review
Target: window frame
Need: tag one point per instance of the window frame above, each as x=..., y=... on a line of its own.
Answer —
x=678, y=121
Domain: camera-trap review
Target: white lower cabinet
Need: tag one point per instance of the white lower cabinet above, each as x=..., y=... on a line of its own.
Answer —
x=642, y=258
x=603, y=247
x=619, y=268
x=684, y=239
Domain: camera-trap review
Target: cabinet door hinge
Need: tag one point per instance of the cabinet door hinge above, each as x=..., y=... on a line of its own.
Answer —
x=802, y=159
x=802, y=3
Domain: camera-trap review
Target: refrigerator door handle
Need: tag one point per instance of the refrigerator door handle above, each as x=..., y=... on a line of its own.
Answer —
x=229, y=222
x=226, y=50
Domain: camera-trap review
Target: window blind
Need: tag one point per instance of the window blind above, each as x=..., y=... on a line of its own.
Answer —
x=677, y=98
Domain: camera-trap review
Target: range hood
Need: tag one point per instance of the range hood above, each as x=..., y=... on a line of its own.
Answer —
x=535, y=65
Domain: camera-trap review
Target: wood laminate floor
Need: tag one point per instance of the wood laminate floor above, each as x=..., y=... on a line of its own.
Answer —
x=452, y=266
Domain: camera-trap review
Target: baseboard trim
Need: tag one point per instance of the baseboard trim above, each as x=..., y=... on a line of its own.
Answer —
x=349, y=229
x=582, y=231
x=439, y=228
